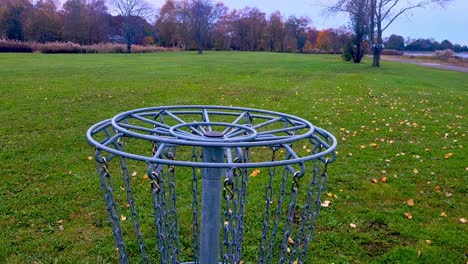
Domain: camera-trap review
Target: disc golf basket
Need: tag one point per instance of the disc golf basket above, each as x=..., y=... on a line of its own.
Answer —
x=211, y=184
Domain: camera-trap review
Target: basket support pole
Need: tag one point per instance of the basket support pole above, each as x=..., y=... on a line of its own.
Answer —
x=211, y=203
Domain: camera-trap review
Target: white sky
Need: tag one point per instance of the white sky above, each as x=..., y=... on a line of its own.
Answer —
x=432, y=22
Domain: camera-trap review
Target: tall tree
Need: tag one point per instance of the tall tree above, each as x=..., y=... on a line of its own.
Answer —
x=275, y=31
x=202, y=15
x=131, y=10
x=296, y=30
x=44, y=23
x=12, y=13
x=395, y=42
x=382, y=13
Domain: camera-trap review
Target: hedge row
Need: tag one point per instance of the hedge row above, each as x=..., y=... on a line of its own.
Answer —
x=69, y=47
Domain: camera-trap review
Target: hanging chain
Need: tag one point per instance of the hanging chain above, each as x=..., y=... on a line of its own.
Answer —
x=267, y=213
x=131, y=202
x=289, y=218
x=107, y=189
x=242, y=199
x=195, y=225
x=173, y=217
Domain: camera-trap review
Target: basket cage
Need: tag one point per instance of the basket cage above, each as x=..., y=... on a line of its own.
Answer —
x=211, y=184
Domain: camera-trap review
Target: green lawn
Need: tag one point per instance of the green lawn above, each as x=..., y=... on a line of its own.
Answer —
x=402, y=122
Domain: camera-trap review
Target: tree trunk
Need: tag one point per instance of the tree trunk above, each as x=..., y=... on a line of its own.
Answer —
x=129, y=47
x=376, y=56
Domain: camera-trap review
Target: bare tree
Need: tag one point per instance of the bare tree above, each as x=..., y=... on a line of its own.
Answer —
x=202, y=15
x=130, y=10
x=382, y=13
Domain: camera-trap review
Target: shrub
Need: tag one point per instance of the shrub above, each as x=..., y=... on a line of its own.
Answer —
x=148, y=40
x=60, y=47
x=444, y=54
x=391, y=52
x=14, y=46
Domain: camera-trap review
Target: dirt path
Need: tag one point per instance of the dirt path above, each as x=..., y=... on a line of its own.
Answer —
x=426, y=64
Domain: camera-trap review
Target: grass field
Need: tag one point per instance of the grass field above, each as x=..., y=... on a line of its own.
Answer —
x=402, y=122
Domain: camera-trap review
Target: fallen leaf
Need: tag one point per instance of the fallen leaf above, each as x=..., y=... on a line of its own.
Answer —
x=60, y=221
x=145, y=176
x=254, y=173
x=90, y=158
x=410, y=202
x=372, y=144
x=352, y=225
x=295, y=262
x=291, y=241
x=374, y=180
x=448, y=155
x=326, y=203
x=415, y=171
x=448, y=194
x=61, y=227
x=289, y=250
x=363, y=146
x=437, y=188
x=134, y=174
x=330, y=194
x=428, y=241
x=419, y=253
x=123, y=217
x=443, y=214
x=127, y=205
x=463, y=220
x=383, y=179
x=409, y=216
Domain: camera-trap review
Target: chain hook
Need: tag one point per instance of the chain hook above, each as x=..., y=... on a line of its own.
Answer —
x=228, y=189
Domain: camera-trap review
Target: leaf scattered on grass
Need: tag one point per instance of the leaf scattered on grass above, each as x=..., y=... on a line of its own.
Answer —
x=463, y=220
x=60, y=221
x=61, y=228
x=383, y=179
x=90, y=157
x=254, y=173
x=134, y=174
x=443, y=214
x=291, y=241
x=374, y=180
x=410, y=202
x=123, y=217
x=352, y=226
x=448, y=155
x=145, y=176
x=428, y=241
x=326, y=203
x=330, y=194
x=409, y=216
x=415, y=171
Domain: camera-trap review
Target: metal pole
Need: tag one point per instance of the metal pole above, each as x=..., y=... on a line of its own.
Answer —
x=211, y=202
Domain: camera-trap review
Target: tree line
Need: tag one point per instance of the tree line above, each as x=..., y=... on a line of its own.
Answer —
x=397, y=42
x=201, y=24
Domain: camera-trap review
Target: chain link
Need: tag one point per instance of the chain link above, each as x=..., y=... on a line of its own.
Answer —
x=131, y=203
x=107, y=189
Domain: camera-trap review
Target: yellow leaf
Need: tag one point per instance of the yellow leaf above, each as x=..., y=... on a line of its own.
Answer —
x=410, y=202
x=409, y=216
x=330, y=194
x=448, y=155
x=363, y=146
x=255, y=172
x=145, y=176
x=428, y=241
x=90, y=158
x=123, y=217
x=443, y=214
x=415, y=171
x=372, y=144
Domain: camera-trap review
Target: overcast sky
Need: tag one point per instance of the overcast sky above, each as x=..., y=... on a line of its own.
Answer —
x=432, y=22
